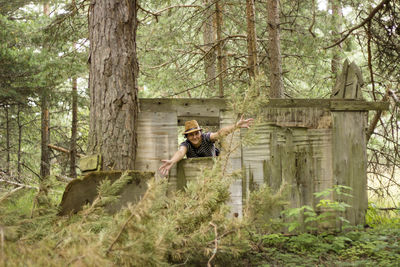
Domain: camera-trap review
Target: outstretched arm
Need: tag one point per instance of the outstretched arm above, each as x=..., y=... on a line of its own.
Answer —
x=167, y=164
x=242, y=123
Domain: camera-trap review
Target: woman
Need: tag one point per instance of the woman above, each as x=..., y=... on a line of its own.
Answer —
x=199, y=144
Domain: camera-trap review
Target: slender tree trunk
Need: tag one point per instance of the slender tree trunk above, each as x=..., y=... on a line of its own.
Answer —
x=45, y=127
x=251, y=39
x=8, y=136
x=74, y=127
x=219, y=22
x=209, y=42
x=336, y=29
x=113, y=82
x=275, y=59
x=19, y=152
x=370, y=68
x=45, y=137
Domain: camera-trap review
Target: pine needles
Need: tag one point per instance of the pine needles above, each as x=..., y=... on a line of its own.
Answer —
x=190, y=227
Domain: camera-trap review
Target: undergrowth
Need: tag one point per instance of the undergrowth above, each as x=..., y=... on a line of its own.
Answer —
x=189, y=228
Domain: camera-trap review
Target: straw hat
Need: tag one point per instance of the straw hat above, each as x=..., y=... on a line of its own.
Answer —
x=191, y=126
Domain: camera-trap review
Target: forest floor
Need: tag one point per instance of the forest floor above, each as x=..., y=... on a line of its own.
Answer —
x=34, y=235
x=375, y=246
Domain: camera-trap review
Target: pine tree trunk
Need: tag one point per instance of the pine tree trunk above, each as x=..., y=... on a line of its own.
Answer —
x=8, y=146
x=336, y=26
x=275, y=60
x=209, y=41
x=19, y=152
x=45, y=126
x=219, y=21
x=251, y=39
x=113, y=82
x=74, y=127
x=45, y=138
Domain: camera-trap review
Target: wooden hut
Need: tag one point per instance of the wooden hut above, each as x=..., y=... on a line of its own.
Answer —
x=312, y=144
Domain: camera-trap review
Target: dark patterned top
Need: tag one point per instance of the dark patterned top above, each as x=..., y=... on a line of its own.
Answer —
x=206, y=148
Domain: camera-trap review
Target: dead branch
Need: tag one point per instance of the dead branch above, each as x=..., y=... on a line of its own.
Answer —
x=10, y=193
x=369, y=18
x=64, y=150
x=120, y=232
x=223, y=235
x=63, y=178
x=19, y=184
x=313, y=20
x=376, y=118
x=388, y=209
x=215, y=244
x=158, y=13
x=23, y=164
x=26, y=186
x=393, y=95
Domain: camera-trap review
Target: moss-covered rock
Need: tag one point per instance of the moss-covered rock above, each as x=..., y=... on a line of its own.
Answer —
x=82, y=191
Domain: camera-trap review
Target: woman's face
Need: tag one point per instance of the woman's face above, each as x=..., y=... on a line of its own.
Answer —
x=194, y=138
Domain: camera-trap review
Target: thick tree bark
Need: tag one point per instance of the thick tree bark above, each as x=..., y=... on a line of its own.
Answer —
x=74, y=127
x=209, y=42
x=251, y=39
x=113, y=82
x=275, y=59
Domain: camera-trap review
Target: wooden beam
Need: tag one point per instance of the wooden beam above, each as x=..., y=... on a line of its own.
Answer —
x=176, y=104
x=203, y=121
x=201, y=107
x=354, y=105
x=298, y=103
x=331, y=104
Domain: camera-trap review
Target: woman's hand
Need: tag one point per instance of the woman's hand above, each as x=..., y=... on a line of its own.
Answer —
x=244, y=123
x=167, y=165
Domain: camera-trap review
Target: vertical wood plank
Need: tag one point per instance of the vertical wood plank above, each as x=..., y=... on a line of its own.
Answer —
x=157, y=139
x=349, y=161
x=232, y=142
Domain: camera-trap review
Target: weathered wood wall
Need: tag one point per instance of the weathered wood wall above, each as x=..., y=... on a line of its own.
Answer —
x=312, y=144
x=158, y=128
x=294, y=145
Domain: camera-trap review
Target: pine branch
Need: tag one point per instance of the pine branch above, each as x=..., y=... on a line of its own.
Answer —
x=369, y=18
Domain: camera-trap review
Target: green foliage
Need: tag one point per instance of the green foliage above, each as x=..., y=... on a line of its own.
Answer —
x=158, y=230
x=327, y=213
x=353, y=248
x=186, y=227
x=375, y=217
x=263, y=207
